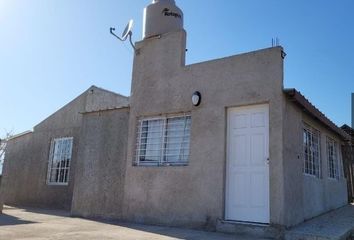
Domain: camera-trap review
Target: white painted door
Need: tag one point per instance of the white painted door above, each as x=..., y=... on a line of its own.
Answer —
x=247, y=173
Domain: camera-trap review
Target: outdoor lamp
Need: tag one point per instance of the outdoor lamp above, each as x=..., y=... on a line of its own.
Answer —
x=196, y=98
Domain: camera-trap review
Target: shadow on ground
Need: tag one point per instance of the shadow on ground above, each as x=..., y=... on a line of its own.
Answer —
x=38, y=210
x=77, y=228
x=6, y=220
x=52, y=212
x=176, y=232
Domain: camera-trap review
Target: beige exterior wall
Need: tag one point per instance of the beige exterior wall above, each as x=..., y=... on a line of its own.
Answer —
x=193, y=195
x=307, y=196
x=293, y=163
x=26, y=160
x=323, y=194
x=100, y=171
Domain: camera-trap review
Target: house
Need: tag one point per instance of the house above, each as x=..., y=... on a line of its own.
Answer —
x=348, y=153
x=39, y=168
x=196, y=145
x=1, y=199
x=2, y=155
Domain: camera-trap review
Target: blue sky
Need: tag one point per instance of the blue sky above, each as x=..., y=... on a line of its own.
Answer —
x=51, y=50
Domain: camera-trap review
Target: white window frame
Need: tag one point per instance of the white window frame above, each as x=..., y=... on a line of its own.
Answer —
x=51, y=158
x=312, y=151
x=161, y=157
x=332, y=151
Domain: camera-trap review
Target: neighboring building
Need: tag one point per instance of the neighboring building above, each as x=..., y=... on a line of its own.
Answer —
x=249, y=151
x=2, y=157
x=348, y=159
x=2, y=154
x=1, y=198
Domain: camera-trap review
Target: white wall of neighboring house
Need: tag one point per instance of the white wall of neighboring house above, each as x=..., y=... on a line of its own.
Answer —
x=2, y=155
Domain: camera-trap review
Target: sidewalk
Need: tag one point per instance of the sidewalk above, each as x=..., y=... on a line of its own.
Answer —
x=336, y=225
x=31, y=224
x=35, y=224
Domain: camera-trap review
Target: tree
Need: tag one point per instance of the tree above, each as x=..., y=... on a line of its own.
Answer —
x=3, y=149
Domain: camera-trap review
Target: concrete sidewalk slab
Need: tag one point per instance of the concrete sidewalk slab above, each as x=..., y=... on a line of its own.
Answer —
x=335, y=225
x=33, y=224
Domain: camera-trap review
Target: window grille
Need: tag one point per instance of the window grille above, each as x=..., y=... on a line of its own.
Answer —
x=311, y=144
x=59, y=161
x=332, y=159
x=163, y=141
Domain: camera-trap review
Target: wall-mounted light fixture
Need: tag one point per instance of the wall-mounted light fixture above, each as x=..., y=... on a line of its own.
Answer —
x=196, y=98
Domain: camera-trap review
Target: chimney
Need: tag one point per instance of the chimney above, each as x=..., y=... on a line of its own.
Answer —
x=160, y=17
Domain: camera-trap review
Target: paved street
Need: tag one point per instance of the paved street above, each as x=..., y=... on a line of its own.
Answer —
x=35, y=224
x=43, y=224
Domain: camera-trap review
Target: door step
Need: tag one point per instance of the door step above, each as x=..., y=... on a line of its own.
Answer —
x=254, y=230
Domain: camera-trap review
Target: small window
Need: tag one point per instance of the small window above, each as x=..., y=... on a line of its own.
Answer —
x=163, y=141
x=332, y=159
x=311, y=145
x=60, y=161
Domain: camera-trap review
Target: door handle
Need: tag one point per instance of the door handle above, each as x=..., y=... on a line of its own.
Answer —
x=268, y=160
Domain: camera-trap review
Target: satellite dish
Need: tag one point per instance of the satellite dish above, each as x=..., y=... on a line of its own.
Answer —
x=128, y=30
x=126, y=33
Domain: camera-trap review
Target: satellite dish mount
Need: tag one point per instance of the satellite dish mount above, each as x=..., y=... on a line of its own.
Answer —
x=126, y=33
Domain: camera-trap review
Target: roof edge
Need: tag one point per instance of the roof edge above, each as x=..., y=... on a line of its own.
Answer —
x=105, y=110
x=109, y=91
x=302, y=101
x=20, y=134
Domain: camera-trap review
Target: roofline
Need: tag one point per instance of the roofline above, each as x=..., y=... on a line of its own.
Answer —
x=237, y=55
x=118, y=94
x=105, y=110
x=84, y=93
x=299, y=99
x=20, y=135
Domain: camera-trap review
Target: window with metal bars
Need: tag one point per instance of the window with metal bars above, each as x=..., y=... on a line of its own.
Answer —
x=163, y=141
x=311, y=144
x=332, y=159
x=59, y=161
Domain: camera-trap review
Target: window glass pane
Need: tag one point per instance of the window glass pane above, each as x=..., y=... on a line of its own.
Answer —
x=177, y=139
x=53, y=175
x=332, y=159
x=311, y=145
x=151, y=140
x=163, y=141
x=59, y=162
